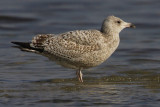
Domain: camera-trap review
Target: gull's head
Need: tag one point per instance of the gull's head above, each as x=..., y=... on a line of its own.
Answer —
x=114, y=24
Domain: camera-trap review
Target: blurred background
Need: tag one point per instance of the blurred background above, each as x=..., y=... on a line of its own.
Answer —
x=130, y=77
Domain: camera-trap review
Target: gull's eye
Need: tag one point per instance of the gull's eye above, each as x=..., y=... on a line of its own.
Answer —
x=119, y=22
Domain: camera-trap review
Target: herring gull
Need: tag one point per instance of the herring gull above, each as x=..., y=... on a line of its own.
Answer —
x=79, y=49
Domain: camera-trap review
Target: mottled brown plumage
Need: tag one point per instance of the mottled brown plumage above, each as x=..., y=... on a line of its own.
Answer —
x=81, y=49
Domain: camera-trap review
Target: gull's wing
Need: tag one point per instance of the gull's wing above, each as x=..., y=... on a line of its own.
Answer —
x=73, y=44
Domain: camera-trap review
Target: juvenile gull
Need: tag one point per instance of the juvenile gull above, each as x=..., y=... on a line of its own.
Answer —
x=79, y=49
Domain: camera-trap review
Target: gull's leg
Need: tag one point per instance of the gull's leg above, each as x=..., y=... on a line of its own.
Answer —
x=79, y=75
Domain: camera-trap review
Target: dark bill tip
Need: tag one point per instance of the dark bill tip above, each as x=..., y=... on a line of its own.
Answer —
x=132, y=26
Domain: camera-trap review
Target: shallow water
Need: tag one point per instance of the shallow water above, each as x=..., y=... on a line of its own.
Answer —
x=130, y=77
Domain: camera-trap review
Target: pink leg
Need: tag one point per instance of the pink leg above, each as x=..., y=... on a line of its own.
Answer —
x=79, y=75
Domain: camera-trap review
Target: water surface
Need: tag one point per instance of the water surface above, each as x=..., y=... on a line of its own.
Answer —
x=130, y=77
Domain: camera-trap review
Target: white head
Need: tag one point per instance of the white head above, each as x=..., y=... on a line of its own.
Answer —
x=114, y=24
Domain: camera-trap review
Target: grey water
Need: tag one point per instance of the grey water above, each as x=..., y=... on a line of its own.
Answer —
x=130, y=77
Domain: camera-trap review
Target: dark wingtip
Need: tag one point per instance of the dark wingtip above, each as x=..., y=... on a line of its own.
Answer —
x=25, y=46
x=17, y=43
x=14, y=42
x=22, y=44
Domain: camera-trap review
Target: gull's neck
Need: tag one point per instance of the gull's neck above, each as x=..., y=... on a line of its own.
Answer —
x=111, y=36
x=106, y=30
x=109, y=33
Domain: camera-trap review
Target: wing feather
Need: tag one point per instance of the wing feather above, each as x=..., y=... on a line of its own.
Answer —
x=73, y=44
